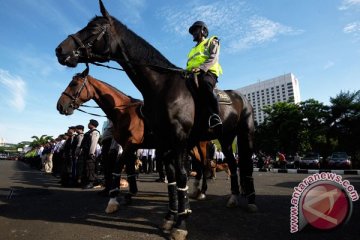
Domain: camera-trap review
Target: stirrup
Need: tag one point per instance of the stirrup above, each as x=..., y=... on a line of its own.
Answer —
x=216, y=119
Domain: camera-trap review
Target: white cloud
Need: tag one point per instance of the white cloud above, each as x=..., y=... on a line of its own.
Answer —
x=260, y=30
x=217, y=15
x=233, y=21
x=16, y=88
x=353, y=29
x=349, y=4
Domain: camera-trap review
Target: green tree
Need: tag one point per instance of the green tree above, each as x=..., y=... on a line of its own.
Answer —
x=315, y=115
x=312, y=126
x=344, y=122
x=281, y=130
x=40, y=140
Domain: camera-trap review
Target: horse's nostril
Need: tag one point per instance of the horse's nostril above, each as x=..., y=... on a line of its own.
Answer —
x=59, y=108
x=58, y=50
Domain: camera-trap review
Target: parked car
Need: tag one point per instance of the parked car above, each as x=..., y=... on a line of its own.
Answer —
x=7, y=156
x=339, y=160
x=310, y=160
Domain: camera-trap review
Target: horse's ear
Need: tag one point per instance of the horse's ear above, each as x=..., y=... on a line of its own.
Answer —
x=85, y=72
x=104, y=12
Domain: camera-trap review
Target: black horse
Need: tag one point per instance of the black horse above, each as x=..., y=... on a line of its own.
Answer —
x=169, y=108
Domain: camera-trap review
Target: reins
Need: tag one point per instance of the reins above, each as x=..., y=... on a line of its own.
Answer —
x=120, y=107
x=150, y=65
x=107, y=66
x=93, y=114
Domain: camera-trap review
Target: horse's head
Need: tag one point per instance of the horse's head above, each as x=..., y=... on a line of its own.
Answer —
x=90, y=44
x=76, y=93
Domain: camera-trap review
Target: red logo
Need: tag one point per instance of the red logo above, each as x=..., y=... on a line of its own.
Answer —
x=325, y=206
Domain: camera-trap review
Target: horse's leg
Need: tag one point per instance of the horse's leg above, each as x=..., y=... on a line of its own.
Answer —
x=131, y=177
x=227, y=150
x=204, y=170
x=213, y=169
x=179, y=232
x=198, y=169
x=245, y=150
x=202, y=195
x=228, y=173
x=246, y=179
x=171, y=215
x=113, y=204
x=196, y=166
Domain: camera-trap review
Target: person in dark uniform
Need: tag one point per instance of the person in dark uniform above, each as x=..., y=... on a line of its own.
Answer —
x=67, y=158
x=78, y=162
x=159, y=167
x=107, y=159
x=88, y=147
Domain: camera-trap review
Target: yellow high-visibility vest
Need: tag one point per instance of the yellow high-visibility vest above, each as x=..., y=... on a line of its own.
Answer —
x=199, y=54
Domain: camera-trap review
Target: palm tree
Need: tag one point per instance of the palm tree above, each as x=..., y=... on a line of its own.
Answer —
x=40, y=140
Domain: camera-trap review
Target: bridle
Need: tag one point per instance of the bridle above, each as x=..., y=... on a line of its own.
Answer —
x=86, y=48
x=74, y=98
x=75, y=105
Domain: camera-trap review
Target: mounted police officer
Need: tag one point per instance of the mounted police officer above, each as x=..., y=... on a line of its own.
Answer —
x=88, y=147
x=203, y=59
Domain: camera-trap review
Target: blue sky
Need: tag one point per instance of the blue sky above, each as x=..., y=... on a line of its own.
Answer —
x=318, y=41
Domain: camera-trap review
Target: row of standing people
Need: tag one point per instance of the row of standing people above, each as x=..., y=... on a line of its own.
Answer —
x=71, y=156
x=77, y=156
x=74, y=156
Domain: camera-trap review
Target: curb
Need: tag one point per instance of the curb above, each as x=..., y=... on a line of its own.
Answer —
x=310, y=171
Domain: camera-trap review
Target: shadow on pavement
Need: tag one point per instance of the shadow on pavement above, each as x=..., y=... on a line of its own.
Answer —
x=37, y=198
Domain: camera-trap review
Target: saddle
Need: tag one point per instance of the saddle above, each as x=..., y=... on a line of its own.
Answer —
x=193, y=84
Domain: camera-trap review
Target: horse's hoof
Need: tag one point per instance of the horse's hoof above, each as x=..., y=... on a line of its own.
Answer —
x=113, y=206
x=178, y=234
x=252, y=208
x=201, y=196
x=233, y=201
x=167, y=225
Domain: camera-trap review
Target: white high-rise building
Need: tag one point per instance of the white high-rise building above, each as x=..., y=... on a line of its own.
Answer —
x=284, y=88
x=2, y=141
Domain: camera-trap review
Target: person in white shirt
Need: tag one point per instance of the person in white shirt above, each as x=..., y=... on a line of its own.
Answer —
x=219, y=156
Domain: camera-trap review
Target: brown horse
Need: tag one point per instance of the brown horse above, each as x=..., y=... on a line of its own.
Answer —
x=122, y=110
x=171, y=108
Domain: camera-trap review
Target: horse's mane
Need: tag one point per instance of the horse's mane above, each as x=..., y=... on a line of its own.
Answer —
x=118, y=91
x=144, y=52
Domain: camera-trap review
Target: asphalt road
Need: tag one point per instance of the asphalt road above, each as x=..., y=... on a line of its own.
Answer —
x=34, y=206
